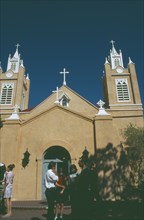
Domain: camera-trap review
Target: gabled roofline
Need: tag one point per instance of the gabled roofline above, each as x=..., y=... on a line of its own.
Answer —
x=79, y=96
x=55, y=106
x=72, y=92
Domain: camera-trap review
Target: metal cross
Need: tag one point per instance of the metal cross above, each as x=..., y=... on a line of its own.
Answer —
x=64, y=73
x=112, y=42
x=17, y=45
x=57, y=98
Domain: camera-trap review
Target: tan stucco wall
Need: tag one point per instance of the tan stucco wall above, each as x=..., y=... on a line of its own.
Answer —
x=55, y=127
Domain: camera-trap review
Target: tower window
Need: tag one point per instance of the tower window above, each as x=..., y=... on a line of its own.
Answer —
x=13, y=66
x=6, y=94
x=116, y=62
x=122, y=90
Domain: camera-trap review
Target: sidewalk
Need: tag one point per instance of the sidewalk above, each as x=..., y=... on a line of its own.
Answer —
x=32, y=210
x=119, y=210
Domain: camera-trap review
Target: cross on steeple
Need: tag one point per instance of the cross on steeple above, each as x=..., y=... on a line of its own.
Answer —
x=112, y=42
x=64, y=73
x=17, y=45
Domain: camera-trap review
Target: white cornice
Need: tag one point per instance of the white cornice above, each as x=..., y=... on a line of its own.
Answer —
x=125, y=104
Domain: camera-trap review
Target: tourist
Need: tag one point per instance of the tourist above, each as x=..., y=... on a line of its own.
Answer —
x=8, y=188
x=50, y=183
x=73, y=190
x=61, y=185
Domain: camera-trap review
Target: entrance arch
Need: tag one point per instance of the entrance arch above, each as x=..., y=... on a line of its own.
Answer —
x=59, y=155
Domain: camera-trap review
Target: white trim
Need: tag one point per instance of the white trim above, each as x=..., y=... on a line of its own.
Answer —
x=125, y=104
x=8, y=113
x=139, y=109
x=14, y=116
x=6, y=108
x=102, y=112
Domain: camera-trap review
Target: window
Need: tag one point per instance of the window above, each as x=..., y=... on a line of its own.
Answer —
x=116, y=62
x=64, y=100
x=13, y=66
x=122, y=90
x=6, y=94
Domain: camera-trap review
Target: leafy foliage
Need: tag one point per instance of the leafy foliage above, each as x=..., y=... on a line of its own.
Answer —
x=134, y=141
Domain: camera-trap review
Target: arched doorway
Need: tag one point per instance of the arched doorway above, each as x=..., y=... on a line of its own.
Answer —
x=62, y=158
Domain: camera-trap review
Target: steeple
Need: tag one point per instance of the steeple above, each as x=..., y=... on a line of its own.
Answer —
x=15, y=85
x=14, y=62
x=120, y=86
x=115, y=59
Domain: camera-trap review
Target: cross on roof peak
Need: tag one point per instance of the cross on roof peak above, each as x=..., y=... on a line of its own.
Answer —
x=64, y=75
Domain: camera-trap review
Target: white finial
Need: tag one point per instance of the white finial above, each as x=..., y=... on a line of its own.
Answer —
x=15, y=115
x=27, y=77
x=21, y=63
x=130, y=61
x=57, y=96
x=101, y=109
x=106, y=61
x=100, y=103
x=112, y=42
x=16, y=108
x=17, y=45
x=64, y=73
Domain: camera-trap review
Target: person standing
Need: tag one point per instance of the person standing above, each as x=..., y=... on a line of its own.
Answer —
x=73, y=190
x=9, y=176
x=2, y=184
x=50, y=183
x=84, y=195
x=61, y=186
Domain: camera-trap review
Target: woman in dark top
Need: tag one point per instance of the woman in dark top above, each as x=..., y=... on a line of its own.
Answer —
x=73, y=179
x=60, y=194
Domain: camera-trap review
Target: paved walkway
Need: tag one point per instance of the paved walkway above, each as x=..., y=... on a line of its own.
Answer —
x=32, y=210
x=36, y=210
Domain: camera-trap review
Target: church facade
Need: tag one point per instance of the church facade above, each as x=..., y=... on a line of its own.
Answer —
x=62, y=125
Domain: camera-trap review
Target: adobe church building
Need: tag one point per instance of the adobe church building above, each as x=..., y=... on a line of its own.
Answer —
x=61, y=126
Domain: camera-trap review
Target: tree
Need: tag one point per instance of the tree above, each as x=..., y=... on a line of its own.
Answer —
x=134, y=141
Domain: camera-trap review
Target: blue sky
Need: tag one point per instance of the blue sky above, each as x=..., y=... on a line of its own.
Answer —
x=74, y=35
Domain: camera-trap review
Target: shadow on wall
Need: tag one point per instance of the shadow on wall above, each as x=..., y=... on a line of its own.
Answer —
x=115, y=179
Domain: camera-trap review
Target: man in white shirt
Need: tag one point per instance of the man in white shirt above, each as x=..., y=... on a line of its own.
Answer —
x=50, y=183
